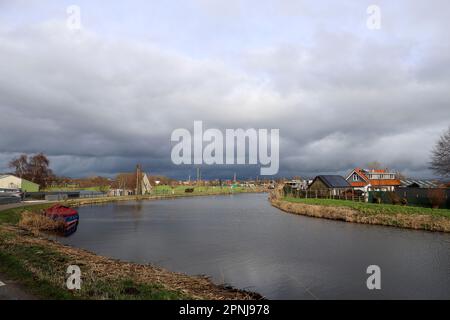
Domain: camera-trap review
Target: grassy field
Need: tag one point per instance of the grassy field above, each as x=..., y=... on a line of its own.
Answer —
x=200, y=189
x=97, y=189
x=162, y=189
x=373, y=208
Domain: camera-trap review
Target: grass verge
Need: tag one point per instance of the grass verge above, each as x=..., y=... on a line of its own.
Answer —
x=372, y=208
x=41, y=269
x=367, y=213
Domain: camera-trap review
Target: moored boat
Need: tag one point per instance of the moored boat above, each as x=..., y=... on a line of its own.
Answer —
x=68, y=215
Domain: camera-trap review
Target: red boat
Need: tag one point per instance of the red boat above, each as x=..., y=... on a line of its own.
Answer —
x=68, y=215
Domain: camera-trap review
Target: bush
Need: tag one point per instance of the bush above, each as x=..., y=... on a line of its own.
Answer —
x=436, y=197
x=394, y=198
x=38, y=222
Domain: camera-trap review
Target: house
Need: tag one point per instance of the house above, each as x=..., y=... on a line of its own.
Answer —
x=373, y=180
x=329, y=185
x=8, y=181
x=126, y=184
x=297, y=184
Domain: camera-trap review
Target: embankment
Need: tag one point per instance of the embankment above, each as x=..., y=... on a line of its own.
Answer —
x=415, y=221
x=88, y=201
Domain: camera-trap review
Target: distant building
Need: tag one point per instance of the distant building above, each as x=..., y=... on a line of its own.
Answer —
x=373, y=180
x=11, y=182
x=126, y=184
x=416, y=183
x=329, y=185
x=297, y=184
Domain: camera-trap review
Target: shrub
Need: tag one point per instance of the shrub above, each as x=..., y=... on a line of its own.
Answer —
x=437, y=197
x=38, y=222
x=394, y=198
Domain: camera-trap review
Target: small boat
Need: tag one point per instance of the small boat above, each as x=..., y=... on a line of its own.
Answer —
x=68, y=215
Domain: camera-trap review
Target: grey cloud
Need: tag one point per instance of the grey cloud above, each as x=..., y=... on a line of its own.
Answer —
x=100, y=106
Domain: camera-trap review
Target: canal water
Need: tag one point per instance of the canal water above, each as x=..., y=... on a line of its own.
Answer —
x=242, y=241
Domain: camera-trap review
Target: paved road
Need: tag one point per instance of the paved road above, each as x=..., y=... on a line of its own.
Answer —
x=11, y=290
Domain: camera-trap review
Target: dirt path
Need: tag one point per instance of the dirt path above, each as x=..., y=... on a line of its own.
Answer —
x=11, y=290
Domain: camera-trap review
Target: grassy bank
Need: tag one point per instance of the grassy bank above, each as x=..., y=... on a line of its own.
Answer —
x=162, y=196
x=373, y=208
x=12, y=216
x=40, y=266
x=157, y=190
x=368, y=213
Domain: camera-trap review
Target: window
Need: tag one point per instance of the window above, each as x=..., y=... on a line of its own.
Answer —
x=355, y=177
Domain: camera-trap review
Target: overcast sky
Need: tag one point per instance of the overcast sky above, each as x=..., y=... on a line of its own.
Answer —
x=101, y=99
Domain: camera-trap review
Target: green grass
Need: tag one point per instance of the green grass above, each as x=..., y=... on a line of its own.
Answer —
x=14, y=261
x=162, y=189
x=373, y=208
x=12, y=216
x=42, y=271
x=200, y=189
x=74, y=188
x=128, y=289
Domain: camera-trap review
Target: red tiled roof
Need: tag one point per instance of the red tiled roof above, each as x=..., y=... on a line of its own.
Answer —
x=378, y=170
x=385, y=182
x=374, y=182
x=361, y=174
x=358, y=184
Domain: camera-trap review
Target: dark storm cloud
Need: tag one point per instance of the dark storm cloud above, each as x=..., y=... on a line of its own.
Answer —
x=99, y=106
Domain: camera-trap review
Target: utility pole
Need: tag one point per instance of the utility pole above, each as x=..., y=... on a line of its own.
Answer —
x=138, y=180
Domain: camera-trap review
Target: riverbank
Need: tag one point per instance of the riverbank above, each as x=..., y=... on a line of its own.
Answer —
x=169, y=196
x=378, y=214
x=40, y=265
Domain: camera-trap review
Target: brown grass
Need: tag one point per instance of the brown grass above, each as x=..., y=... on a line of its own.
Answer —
x=416, y=221
x=36, y=222
x=97, y=268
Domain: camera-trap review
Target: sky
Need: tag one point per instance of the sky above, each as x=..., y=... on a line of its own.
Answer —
x=103, y=97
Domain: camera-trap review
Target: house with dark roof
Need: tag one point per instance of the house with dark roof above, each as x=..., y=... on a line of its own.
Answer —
x=329, y=185
x=373, y=180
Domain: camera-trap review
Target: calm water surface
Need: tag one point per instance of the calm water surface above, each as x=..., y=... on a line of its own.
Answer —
x=242, y=241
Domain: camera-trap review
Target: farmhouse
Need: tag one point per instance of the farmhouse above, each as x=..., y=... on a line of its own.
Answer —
x=329, y=185
x=10, y=182
x=373, y=180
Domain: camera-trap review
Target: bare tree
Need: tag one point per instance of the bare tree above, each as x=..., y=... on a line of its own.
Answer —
x=440, y=157
x=20, y=165
x=36, y=169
